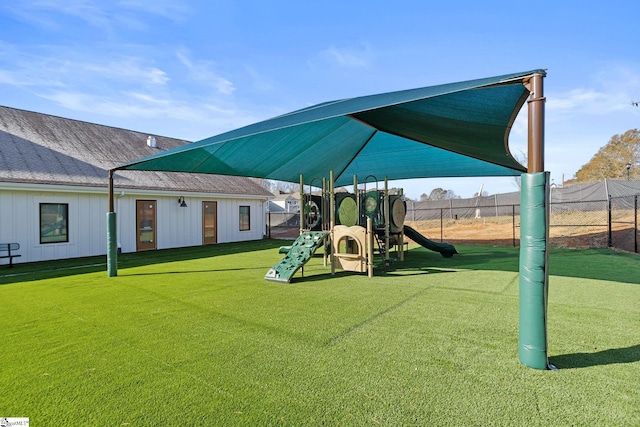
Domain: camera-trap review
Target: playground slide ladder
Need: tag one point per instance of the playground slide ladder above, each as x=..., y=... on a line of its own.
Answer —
x=300, y=252
x=382, y=250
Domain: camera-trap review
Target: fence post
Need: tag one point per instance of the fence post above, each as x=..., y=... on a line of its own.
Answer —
x=610, y=239
x=441, y=225
x=635, y=223
x=513, y=224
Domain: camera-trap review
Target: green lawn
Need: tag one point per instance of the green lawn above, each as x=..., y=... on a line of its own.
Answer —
x=197, y=337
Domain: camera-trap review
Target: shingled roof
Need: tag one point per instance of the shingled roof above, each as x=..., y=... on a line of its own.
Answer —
x=44, y=149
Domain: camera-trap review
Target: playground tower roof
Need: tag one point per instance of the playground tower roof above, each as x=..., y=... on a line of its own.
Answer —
x=451, y=130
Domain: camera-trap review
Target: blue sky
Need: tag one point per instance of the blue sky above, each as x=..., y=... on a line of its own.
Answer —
x=195, y=68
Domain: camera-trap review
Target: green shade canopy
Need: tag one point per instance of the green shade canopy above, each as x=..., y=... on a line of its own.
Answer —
x=452, y=130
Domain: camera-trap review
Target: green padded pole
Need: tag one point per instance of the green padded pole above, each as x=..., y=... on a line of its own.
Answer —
x=534, y=275
x=112, y=245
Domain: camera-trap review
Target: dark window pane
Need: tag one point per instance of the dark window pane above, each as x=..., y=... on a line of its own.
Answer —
x=53, y=222
x=245, y=218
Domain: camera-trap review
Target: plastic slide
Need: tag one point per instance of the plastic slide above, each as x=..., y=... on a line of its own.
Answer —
x=445, y=249
x=297, y=255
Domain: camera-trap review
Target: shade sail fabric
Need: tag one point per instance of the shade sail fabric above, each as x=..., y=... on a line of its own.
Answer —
x=452, y=130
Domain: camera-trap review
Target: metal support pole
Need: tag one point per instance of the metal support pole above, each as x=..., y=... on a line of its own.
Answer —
x=369, y=248
x=303, y=209
x=609, y=228
x=536, y=124
x=513, y=223
x=332, y=222
x=326, y=218
x=112, y=235
x=326, y=205
x=401, y=234
x=387, y=219
x=635, y=224
x=302, y=202
x=534, y=237
x=110, y=190
x=357, y=196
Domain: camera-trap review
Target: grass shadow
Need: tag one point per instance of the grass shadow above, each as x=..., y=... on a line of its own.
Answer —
x=469, y=258
x=26, y=272
x=583, y=263
x=378, y=272
x=217, y=270
x=405, y=272
x=605, y=357
x=316, y=277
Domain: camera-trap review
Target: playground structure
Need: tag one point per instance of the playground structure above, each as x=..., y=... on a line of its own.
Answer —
x=351, y=228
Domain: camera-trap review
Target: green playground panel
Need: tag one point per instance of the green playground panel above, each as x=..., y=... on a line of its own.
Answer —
x=298, y=254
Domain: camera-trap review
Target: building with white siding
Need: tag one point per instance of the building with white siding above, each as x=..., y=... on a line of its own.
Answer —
x=53, y=192
x=285, y=202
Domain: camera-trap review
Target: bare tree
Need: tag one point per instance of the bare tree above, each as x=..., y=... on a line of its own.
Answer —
x=278, y=186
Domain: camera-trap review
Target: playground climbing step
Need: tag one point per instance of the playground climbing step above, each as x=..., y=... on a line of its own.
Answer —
x=299, y=253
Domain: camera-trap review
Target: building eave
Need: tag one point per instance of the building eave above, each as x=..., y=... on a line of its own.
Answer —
x=85, y=189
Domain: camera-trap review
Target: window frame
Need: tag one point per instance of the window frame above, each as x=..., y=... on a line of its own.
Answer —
x=44, y=240
x=244, y=218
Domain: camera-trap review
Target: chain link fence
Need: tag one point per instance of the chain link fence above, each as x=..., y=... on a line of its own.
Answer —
x=282, y=225
x=623, y=223
x=597, y=215
x=579, y=224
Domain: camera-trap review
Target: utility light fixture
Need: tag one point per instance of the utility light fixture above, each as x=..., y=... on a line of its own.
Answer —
x=181, y=202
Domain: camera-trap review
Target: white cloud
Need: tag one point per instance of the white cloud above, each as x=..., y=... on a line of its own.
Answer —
x=348, y=57
x=107, y=16
x=12, y=79
x=42, y=13
x=184, y=59
x=144, y=97
x=583, y=100
x=22, y=12
x=127, y=69
x=23, y=69
x=204, y=72
x=51, y=66
x=175, y=10
x=138, y=104
x=224, y=86
x=261, y=82
x=127, y=88
x=605, y=93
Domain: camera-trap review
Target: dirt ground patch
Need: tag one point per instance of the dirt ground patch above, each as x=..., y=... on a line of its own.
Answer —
x=567, y=230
